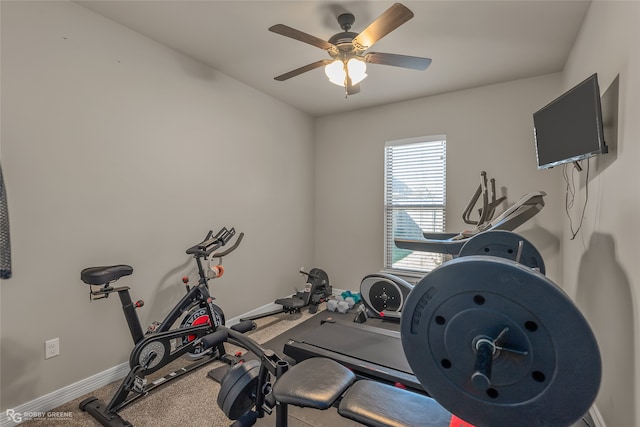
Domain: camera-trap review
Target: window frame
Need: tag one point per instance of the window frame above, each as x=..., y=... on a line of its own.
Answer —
x=388, y=209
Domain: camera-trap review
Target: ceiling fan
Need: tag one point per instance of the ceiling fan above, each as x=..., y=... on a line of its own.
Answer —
x=347, y=66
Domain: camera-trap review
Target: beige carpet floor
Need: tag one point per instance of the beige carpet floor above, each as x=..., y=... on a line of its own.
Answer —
x=187, y=401
x=190, y=401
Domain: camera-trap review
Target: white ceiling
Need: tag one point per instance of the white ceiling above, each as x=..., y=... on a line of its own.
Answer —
x=472, y=43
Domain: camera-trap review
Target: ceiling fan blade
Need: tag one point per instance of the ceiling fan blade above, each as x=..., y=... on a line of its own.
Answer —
x=391, y=19
x=404, y=61
x=304, y=69
x=301, y=36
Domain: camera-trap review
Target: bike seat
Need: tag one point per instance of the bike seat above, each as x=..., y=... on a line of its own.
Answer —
x=104, y=275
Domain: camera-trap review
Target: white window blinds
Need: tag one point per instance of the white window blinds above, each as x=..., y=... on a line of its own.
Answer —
x=414, y=199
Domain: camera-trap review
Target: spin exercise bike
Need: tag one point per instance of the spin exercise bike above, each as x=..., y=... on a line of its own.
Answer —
x=193, y=336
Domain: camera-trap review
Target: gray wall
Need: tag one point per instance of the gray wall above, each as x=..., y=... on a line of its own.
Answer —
x=116, y=149
x=600, y=267
x=487, y=128
x=490, y=128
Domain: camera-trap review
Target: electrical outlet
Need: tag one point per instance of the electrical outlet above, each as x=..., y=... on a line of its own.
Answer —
x=52, y=348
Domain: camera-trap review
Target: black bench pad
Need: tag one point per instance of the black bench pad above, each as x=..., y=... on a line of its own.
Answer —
x=381, y=405
x=313, y=383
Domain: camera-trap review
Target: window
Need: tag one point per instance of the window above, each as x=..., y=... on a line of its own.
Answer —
x=414, y=199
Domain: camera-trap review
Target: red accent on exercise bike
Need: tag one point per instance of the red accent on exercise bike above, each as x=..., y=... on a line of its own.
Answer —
x=199, y=321
x=457, y=422
x=218, y=271
x=167, y=340
x=139, y=303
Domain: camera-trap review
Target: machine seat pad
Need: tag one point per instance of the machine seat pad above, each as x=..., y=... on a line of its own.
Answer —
x=381, y=405
x=291, y=302
x=104, y=275
x=313, y=383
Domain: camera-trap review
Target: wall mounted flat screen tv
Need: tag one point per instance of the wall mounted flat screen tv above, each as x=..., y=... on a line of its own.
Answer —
x=570, y=128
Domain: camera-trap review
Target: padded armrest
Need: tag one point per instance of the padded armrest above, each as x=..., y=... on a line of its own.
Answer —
x=439, y=236
x=449, y=246
x=381, y=405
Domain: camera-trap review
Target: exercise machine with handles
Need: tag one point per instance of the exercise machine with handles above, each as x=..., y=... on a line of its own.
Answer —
x=478, y=340
x=486, y=211
x=188, y=330
x=317, y=290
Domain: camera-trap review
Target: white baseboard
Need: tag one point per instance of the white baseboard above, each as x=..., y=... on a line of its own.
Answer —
x=335, y=292
x=264, y=309
x=66, y=394
x=596, y=417
x=267, y=308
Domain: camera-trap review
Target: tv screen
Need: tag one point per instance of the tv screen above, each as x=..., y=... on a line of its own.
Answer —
x=570, y=128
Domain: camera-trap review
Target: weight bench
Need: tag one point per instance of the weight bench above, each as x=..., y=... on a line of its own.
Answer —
x=320, y=383
x=476, y=337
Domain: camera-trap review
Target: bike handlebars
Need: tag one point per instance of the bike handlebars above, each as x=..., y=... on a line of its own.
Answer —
x=212, y=243
x=231, y=249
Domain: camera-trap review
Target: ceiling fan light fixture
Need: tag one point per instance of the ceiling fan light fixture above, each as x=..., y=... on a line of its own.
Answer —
x=335, y=72
x=348, y=66
x=357, y=70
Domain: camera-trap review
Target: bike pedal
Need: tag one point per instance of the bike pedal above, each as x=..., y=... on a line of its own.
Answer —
x=152, y=327
x=138, y=384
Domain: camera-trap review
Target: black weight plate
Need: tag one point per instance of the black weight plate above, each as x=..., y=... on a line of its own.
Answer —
x=504, y=244
x=237, y=389
x=465, y=299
